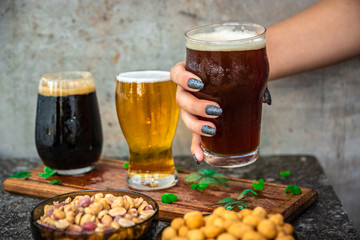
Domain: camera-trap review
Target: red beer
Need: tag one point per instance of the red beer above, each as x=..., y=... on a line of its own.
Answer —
x=234, y=73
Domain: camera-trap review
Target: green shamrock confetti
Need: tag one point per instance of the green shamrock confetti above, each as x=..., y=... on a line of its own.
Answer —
x=168, y=198
x=48, y=172
x=259, y=185
x=55, y=182
x=21, y=175
x=285, y=173
x=293, y=189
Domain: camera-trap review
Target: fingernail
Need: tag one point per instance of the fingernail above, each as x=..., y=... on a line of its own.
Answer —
x=206, y=129
x=213, y=110
x=267, y=96
x=195, y=83
x=195, y=159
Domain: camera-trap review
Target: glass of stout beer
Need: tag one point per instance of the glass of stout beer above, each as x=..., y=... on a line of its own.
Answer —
x=148, y=114
x=231, y=60
x=68, y=131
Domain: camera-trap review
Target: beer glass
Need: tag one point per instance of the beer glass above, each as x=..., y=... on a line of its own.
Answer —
x=148, y=114
x=231, y=60
x=68, y=131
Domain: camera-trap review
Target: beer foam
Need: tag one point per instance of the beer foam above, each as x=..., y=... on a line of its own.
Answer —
x=225, y=38
x=148, y=76
x=58, y=84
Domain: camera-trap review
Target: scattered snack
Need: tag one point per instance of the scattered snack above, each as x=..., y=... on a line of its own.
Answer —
x=97, y=213
x=225, y=224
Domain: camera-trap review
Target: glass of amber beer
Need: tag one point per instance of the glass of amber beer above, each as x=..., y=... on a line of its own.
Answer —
x=68, y=131
x=148, y=114
x=231, y=60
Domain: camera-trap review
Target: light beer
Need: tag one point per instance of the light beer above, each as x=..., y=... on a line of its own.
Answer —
x=232, y=63
x=148, y=114
x=68, y=130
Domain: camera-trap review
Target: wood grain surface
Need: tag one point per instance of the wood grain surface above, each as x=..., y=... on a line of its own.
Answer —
x=111, y=174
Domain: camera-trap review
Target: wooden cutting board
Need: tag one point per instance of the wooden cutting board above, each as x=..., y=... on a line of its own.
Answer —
x=111, y=174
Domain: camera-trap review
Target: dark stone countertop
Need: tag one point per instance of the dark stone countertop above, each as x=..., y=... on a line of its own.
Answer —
x=325, y=219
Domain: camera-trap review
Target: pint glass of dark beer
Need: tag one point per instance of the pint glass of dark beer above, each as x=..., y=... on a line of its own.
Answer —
x=231, y=60
x=68, y=131
x=148, y=115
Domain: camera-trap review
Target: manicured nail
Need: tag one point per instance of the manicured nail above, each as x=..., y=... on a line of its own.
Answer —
x=206, y=129
x=195, y=159
x=267, y=96
x=195, y=84
x=213, y=110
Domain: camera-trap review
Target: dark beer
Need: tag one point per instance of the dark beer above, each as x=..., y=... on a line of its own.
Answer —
x=234, y=76
x=68, y=128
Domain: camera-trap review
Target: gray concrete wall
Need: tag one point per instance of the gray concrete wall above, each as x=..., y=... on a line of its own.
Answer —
x=312, y=113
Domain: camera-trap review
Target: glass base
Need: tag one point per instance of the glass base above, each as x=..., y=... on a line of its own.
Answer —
x=230, y=161
x=74, y=171
x=148, y=182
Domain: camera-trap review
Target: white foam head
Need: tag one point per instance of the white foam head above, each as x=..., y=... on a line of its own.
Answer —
x=225, y=38
x=144, y=76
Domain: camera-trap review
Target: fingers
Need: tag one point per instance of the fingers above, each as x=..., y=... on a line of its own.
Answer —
x=185, y=79
x=196, y=150
x=195, y=106
x=200, y=127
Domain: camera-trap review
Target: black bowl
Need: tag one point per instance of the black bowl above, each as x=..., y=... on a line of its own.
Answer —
x=141, y=230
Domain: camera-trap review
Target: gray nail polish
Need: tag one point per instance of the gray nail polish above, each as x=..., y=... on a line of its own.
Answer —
x=208, y=130
x=213, y=110
x=195, y=159
x=267, y=96
x=195, y=83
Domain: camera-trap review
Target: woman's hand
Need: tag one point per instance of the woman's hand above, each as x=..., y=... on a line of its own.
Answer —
x=191, y=107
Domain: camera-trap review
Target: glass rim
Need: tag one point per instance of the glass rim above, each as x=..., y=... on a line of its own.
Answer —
x=262, y=33
x=83, y=75
x=144, y=76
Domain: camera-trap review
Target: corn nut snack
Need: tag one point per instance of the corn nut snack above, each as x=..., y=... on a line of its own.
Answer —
x=225, y=224
x=97, y=213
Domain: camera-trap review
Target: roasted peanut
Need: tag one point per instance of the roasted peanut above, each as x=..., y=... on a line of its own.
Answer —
x=286, y=237
x=224, y=224
x=219, y=210
x=62, y=224
x=194, y=220
x=118, y=211
x=288, y=229
x=277, y=219
x=195, y=234
x=168, y=233
x=253, y=236
x=211, y=231
x=125, y=222
x=146, y=214
x=226, y=236
x=84, y=201
x=239, y=229
x=267, y=228
x=251, y=220
x=228, y=214
x=106, y=220
x=102, y=213
x=260, y=212
x=183, y=231
x=176, y=223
